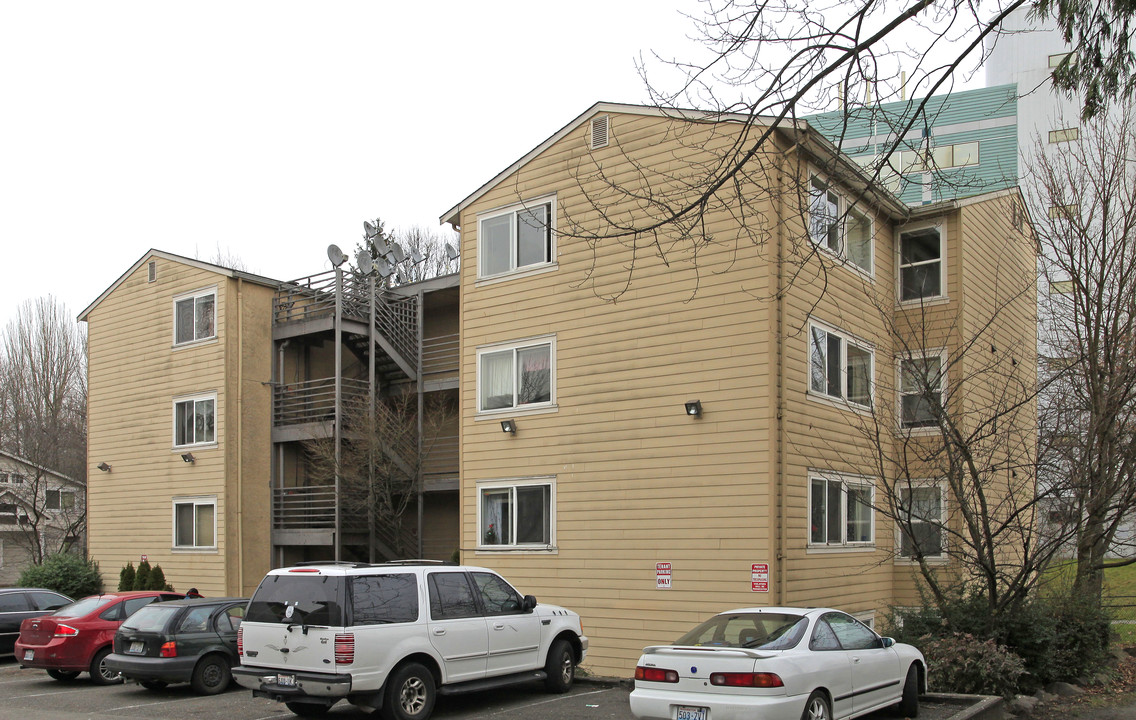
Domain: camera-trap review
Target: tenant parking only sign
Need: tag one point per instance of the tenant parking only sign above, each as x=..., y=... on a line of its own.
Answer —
x=663, y=576
x=759, y=577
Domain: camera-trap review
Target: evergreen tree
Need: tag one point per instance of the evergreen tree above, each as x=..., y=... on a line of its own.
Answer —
x=126, y=577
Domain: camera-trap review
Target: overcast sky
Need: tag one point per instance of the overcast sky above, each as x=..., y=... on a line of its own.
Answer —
x=268, y=130
x=265, y=130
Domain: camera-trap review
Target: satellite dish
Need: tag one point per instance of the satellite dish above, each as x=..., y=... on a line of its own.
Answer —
x=416, y=257
x=401, y=279
x=370, y=230
x=335, y=255
x=363, y=261
x=383, y=267
x=380, y=246
x=397, y=252
x=451, y=252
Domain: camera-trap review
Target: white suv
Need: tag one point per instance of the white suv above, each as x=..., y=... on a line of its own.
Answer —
x=393, y=636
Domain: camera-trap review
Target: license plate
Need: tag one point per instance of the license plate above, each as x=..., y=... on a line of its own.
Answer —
x=690, y=713
x=137, y=647
x=286, y=680
x=29, y=655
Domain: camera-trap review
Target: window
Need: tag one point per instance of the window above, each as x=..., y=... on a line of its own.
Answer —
x=11, y=513
x=515, y=515
x=451, y=596
x=1064, y=135
x=921, y=510
x=384, y=599
x=195, y=421
x=1058, y=58
x=920, y=391
x=840, y=512
x=12, y=478
x=60, y=500
x=920, y=264
x=517, y=376
x=194, y=317
x=843, y=231
x=515, y=239
x=1063, y=212
x=195, y=523
x=497, y=596
x=839, y=367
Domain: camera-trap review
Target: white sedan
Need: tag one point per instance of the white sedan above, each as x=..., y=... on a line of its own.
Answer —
x=778, y=663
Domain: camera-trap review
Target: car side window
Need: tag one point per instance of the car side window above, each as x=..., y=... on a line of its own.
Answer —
x=823, y=637
x=382, y=599
x=231, y=619
x=451, y=596
x=852, y=634
x=13, y=602
x=47, y=600
x=196, y=620
x=112, y=613
x=497, y=596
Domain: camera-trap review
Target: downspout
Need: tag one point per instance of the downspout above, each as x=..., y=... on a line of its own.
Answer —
x=240, y=436
x=420, y=312
x=779, y=363
x=279, y=382
x=335, y=540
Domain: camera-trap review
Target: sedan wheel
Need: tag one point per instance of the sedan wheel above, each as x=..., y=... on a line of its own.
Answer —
x=211, y=675
x=816, y=708
x=100, y=673
x=63, y=675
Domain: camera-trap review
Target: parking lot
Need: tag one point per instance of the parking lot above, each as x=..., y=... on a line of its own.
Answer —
x=32, y=695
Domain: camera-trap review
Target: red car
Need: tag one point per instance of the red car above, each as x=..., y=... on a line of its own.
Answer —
x=78, y=637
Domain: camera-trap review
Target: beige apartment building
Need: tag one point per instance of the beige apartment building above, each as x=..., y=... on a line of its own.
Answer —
x=211, y=388
x=664, y=425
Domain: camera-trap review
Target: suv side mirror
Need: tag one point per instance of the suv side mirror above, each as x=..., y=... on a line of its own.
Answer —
x=886, y=642
x=528, y=603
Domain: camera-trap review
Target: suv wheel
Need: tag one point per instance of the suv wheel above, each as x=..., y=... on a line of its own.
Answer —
x=304, y=709
x=560, y=669
x=410, y=693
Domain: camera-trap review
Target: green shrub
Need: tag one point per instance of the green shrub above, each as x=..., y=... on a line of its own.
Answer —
x=157, y=579
x=961, y=663
x=142, y=576
x=73, y=575
x=1081, y=638
x=126, y=577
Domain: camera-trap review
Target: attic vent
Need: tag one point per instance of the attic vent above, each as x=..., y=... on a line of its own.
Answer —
x=599, y=132
x=153, y=272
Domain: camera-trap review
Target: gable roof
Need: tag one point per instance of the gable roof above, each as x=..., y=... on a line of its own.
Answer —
x=28, y=463
x=798, y=131
x=200, y=265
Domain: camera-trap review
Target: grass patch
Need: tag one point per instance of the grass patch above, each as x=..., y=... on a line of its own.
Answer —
x=1119, y=594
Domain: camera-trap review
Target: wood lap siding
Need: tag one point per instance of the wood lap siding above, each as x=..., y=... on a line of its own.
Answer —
x=135, y=376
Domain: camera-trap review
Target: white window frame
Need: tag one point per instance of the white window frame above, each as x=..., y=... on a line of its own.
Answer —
x=900, y=360
x=513, y=210
x=196, y=501
x=514, y=347
x=216, y=420
x=939, y=227
x=194, y=297
x=512, y=485
x=845, y=481
x=846, y=339
x=844, y=214
x=907, y=486
x=1062, y=135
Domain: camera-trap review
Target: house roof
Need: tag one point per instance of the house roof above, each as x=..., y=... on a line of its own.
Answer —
x=798, y=131
x=152, y=253
x=28, y=463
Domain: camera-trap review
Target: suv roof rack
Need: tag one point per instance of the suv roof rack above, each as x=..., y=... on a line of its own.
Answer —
x=338, y=563
x=417, y=561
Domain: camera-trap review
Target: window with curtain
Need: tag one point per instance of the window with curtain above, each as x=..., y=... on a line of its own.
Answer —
x=839, y=367
x=922, y=509
x=515, y=377
x=195, y=421
x=920, y=391
x=195, y=523
x=195, y=317
x=516, y=515
x=515, y=238
x=840, y=512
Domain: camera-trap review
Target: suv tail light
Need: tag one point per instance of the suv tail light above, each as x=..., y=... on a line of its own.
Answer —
x=241, y=641
x=751, y=680
x=64, y=631
x=169, y=649
x=344, y=648
x=651, y=674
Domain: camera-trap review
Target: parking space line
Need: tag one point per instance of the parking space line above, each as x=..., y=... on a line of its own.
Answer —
x=550, y=700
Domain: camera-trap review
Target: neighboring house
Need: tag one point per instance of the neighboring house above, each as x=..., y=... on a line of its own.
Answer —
x=206, y=386
x=651, y=440
x=41, y=512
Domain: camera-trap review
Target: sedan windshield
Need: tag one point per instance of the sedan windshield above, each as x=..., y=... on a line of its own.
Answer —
x=152, y=618
x=760, y=631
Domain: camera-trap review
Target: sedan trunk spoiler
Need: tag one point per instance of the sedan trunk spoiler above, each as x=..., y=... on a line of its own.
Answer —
x=682, y=649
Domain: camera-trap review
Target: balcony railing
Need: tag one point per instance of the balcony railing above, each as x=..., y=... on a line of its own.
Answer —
x=440, y=355
x=313, y=400
x=303, y=508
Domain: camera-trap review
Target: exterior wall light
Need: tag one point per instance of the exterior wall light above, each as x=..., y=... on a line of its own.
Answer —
x=103, y=466
x=188, y=457
x=509, y=426
x=694, y=408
